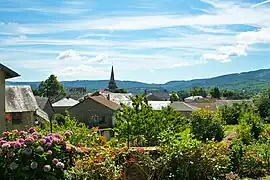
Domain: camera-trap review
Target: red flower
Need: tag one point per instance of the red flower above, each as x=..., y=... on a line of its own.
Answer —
x=121, y=174
x=258, y=159
x=255, y=153
x=142, y=150
x=131, y=159
x=8, y=117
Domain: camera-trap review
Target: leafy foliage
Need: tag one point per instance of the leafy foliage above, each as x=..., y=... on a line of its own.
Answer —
x=174, y=97
x=205, y=125
x=215, y=93
x=263, y=105
x=51, y=87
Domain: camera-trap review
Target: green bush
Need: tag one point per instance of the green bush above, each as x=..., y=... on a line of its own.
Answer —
x=250, y=127
x=205, y=125
x=231, y=114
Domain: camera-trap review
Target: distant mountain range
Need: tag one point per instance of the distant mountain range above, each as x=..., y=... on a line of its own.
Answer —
x=250, y=81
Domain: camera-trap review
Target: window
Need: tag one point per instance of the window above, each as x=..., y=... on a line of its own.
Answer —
x=16, y=118
x=102, y=120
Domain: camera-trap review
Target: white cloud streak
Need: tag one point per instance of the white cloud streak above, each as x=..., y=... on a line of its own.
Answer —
x=261, y=3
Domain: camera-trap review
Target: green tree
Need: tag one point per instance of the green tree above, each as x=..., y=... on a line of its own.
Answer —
x=227, y=93
x=262, y=103
x=205, y=125
x=215, y=93
x=174, y=97
x=182, y=94
x=51, y=87
x=197, y=91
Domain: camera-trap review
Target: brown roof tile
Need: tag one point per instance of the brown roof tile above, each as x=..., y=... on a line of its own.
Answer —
x=102, y=100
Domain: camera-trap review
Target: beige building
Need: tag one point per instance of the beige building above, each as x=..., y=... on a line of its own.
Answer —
x=22, y=107
x=5, y=73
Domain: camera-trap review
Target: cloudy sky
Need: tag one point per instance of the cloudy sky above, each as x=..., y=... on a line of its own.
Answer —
x=146, y=40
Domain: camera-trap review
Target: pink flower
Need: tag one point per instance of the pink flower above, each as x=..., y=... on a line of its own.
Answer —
x=55, y=161
x=29, y=140
x=22, y=133
x=50, y=152
x=35, y=137
x=2, y=142
x=60, y=165
x=6, y=133
x=32, y=130
x=131, y=159
x=18, y=145
x=68, y=148
x=43, y=141
x=49, y=144
x=47, y=168
x=21, y=140
x=6, y=145
x=56, y=140
x=15, y=131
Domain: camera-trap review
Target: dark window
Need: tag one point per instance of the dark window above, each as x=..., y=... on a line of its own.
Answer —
x=16, y=118
x=102, y=120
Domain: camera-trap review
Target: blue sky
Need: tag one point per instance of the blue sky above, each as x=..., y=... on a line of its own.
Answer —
x=146, y=40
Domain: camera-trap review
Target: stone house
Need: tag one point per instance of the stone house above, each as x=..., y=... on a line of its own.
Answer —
x=157, y=95
x=64, y=104
x=5, y=73
x=45, y=104
x=95, y=111
x=22, y=107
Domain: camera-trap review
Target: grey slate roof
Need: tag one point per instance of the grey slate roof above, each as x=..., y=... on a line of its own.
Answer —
x=20, y=99
x=182, y=106
x=41, y=101
x=9, y=73
x=43, y=115
x=65, y=102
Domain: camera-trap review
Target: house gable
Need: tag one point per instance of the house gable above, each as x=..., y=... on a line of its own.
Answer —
x=92, y=113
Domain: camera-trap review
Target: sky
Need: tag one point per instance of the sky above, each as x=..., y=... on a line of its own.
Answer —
x=152, y=41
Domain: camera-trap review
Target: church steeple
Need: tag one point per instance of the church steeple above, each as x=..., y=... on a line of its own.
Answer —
x=112, y=84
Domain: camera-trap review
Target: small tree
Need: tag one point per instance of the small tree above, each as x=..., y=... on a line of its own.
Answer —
x=215, y=93
x=51, y=87
x=174, y=97
x=205, y=125
x=263, y=105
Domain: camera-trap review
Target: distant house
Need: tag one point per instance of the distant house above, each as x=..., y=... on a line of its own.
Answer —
x=5, y=73
x=193, y=99
x=62, y=105
x=95, y=111
x=45, y=104
x=157, y=95
x=22, y=107
x=183, y=107
x=158, y=105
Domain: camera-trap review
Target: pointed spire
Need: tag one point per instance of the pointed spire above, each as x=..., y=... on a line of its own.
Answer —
x=112, y=84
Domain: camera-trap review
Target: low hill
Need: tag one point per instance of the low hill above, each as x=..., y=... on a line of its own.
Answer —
x=249, y=81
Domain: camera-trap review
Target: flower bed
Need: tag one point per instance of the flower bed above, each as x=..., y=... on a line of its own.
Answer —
x=29, y=155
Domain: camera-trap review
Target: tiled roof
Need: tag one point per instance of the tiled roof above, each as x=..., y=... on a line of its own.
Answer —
x=20, y=99
x=209, y=106
x=182, y=106
x=9, y=73
x=65, y=102
x=102, y=100
x=43, y=115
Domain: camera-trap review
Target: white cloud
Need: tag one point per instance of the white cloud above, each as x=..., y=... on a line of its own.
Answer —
x=80, y=72
x=243, y=41
x=71, y=55
x=261, y=3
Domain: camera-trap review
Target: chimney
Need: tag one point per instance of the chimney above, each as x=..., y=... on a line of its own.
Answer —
x=108, y=97
x=145, y=92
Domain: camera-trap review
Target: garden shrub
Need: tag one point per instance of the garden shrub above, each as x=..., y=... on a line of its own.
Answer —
x=29, y=155
x=231, y=113
x=205, y=125
x=188, y=158
x=250, y=127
